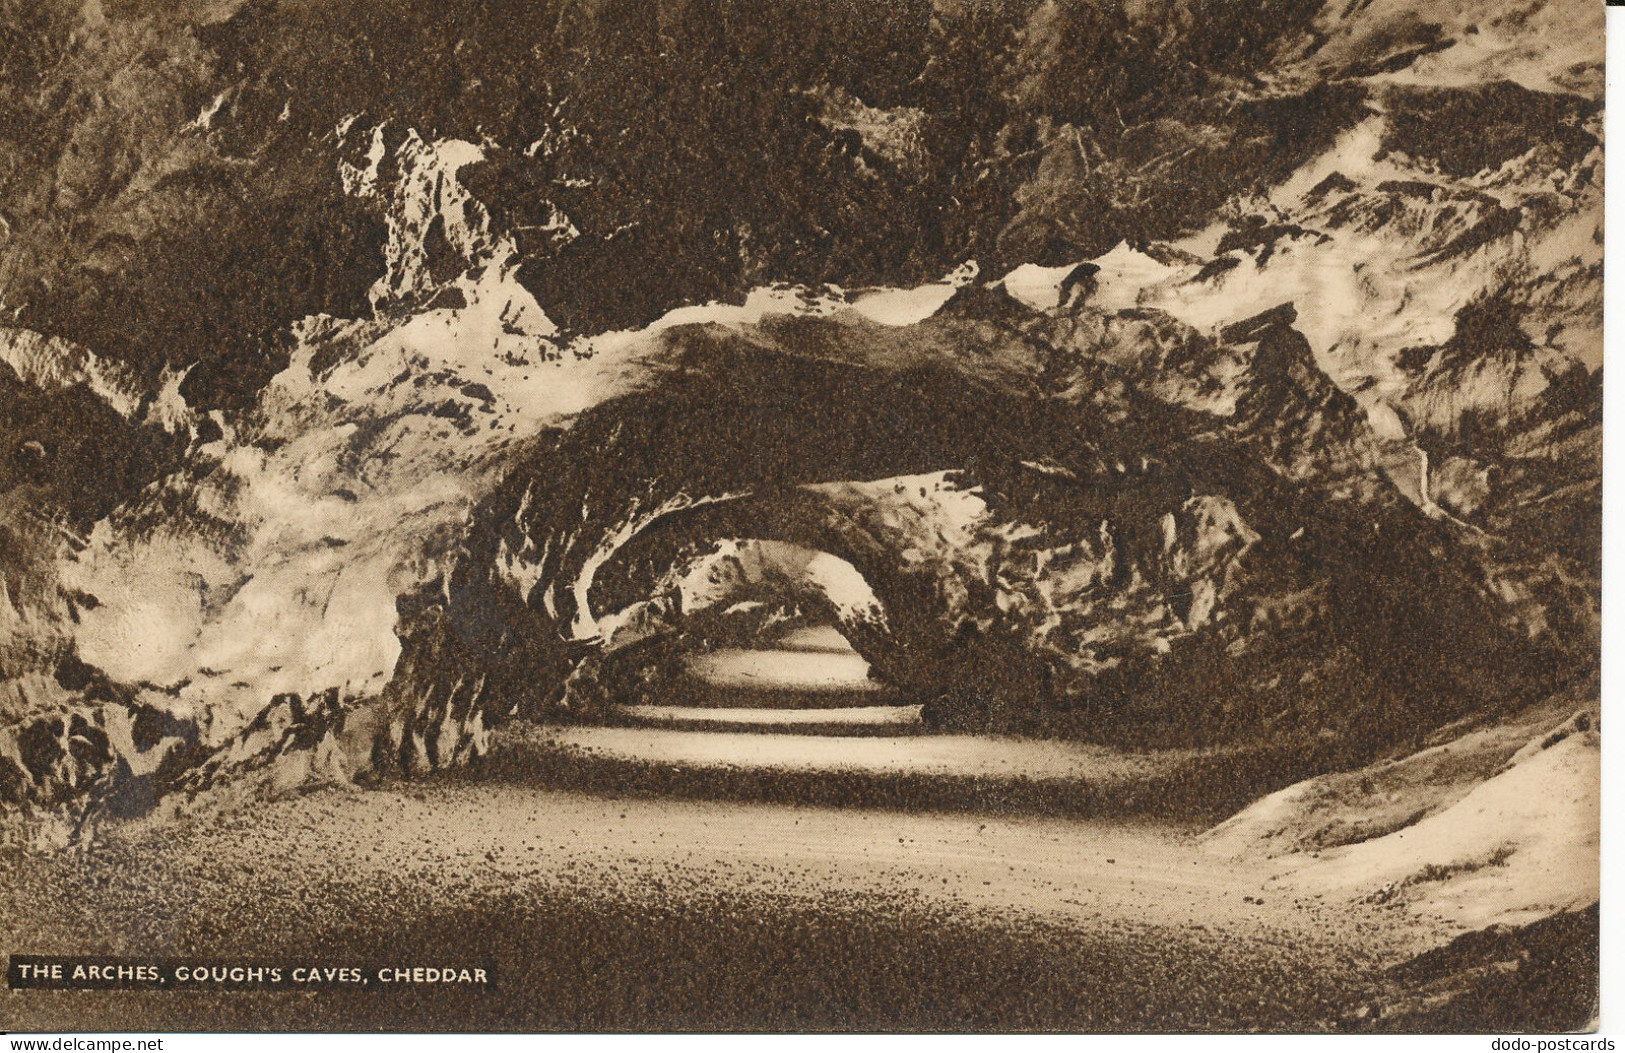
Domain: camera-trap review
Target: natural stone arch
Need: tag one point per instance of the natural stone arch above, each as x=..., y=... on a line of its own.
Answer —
x=730, y=430
x=732, y=591
x=734, y=436
x=750, y=582
x=903, y=633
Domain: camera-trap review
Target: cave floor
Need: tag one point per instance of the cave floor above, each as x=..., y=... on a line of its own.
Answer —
x=634, y=913
x=796, y=718
x=689, y=878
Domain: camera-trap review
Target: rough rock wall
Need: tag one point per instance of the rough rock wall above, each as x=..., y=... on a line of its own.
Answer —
x=405, y=493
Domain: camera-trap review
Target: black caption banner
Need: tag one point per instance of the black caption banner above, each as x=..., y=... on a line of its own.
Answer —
x=46, y=972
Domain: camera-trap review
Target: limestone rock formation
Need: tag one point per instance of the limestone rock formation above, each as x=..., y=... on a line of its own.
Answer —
x=1215, y=376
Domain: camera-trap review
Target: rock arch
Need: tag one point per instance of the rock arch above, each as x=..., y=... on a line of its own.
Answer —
x=1124, y=566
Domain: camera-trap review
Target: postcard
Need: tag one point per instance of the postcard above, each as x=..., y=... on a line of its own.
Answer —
x=802, y=516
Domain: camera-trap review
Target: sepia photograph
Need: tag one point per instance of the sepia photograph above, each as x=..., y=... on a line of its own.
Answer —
x=786, y=516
